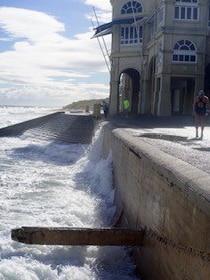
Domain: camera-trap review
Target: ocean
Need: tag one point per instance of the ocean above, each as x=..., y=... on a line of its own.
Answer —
x=47, y=183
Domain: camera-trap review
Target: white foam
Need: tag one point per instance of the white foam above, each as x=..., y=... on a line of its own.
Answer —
x=50, y=184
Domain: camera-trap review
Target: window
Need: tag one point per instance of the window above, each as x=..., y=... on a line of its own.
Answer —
x=131, y=35
x=186, y=10
x=184, y=51
x=131, y=7
x=159, y=58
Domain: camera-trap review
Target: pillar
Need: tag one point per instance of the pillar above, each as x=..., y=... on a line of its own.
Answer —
x=164, y=97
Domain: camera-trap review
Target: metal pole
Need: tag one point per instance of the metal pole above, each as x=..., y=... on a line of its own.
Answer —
x=104, y=43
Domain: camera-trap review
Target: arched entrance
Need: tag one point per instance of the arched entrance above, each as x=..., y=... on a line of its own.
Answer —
x=129, y=86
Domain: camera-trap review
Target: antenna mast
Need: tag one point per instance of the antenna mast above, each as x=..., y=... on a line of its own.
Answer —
x=105, y=53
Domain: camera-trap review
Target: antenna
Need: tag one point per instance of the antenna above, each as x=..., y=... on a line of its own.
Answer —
x=105, y=53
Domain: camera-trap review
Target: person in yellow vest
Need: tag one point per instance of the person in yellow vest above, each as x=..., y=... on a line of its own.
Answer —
x=126, y=107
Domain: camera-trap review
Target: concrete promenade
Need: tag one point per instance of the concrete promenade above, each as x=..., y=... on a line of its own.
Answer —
x=162, y=183
x=172, y=135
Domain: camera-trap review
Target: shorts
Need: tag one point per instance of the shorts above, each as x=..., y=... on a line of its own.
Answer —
x=200, y=112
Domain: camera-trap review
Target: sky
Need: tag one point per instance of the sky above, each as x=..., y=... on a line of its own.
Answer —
x=47, y=54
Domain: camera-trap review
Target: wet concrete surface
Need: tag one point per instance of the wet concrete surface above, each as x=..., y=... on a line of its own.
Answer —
x=172, y=135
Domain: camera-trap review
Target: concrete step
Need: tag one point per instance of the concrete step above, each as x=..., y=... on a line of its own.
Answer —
x=60, y=126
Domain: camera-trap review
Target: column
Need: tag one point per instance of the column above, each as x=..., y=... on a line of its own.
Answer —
x=164, y=98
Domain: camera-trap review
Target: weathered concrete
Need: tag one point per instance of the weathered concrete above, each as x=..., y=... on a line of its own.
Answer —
x=77, y=236
x=167, y=197
x=57, y=126
x=19, y=128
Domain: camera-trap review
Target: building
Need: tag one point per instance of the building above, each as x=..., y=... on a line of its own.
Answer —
x=160, y=54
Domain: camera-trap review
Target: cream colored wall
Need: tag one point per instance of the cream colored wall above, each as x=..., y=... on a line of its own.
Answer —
x=168, y=198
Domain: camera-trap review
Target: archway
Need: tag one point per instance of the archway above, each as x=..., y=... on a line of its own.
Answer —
x=129, y=86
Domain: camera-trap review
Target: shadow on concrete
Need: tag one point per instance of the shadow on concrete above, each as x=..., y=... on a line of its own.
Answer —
x=148, y=121
x=167, y=137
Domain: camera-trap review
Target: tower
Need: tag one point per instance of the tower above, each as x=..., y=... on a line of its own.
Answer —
x=159, y=55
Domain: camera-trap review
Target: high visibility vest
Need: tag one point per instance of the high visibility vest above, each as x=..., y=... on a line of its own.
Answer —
x=126, y=104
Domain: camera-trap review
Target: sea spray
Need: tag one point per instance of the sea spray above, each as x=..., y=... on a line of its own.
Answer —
x=45, y=183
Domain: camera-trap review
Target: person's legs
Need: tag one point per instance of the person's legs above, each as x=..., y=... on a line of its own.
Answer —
x=202, y=125
x=197, y=117
x=106, y=113
x=126, y=113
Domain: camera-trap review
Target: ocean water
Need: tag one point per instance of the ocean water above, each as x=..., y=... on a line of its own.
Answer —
x=45, y=183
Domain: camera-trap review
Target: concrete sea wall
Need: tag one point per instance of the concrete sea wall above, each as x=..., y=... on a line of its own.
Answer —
x=59, y=126
x=166, y=198
x=19, y=128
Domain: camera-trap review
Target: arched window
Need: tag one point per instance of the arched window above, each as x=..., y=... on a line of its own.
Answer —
x=131, y=7
x=186, y=10
x=184, y=51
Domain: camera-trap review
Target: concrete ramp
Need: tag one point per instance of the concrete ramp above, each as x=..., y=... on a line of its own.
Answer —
x=58, y=126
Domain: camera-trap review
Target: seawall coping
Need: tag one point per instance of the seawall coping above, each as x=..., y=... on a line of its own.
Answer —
x=193, y=182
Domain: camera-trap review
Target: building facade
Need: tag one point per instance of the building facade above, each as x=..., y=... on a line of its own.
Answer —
x=160, y=55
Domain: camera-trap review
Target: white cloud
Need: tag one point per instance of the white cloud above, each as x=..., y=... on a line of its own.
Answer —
x=5, y=39
x=33, y=25
x=42, y=58
x=100, y=4
x=52, y=96
x=102, y=11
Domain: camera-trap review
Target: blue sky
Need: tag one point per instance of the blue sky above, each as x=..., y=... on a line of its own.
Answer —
x=47, y=56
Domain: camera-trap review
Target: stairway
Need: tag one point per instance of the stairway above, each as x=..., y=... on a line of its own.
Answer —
x=58, y=126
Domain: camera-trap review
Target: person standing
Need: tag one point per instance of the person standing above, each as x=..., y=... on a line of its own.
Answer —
x=200, y=106
x=105, y=109
x=126, y=106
